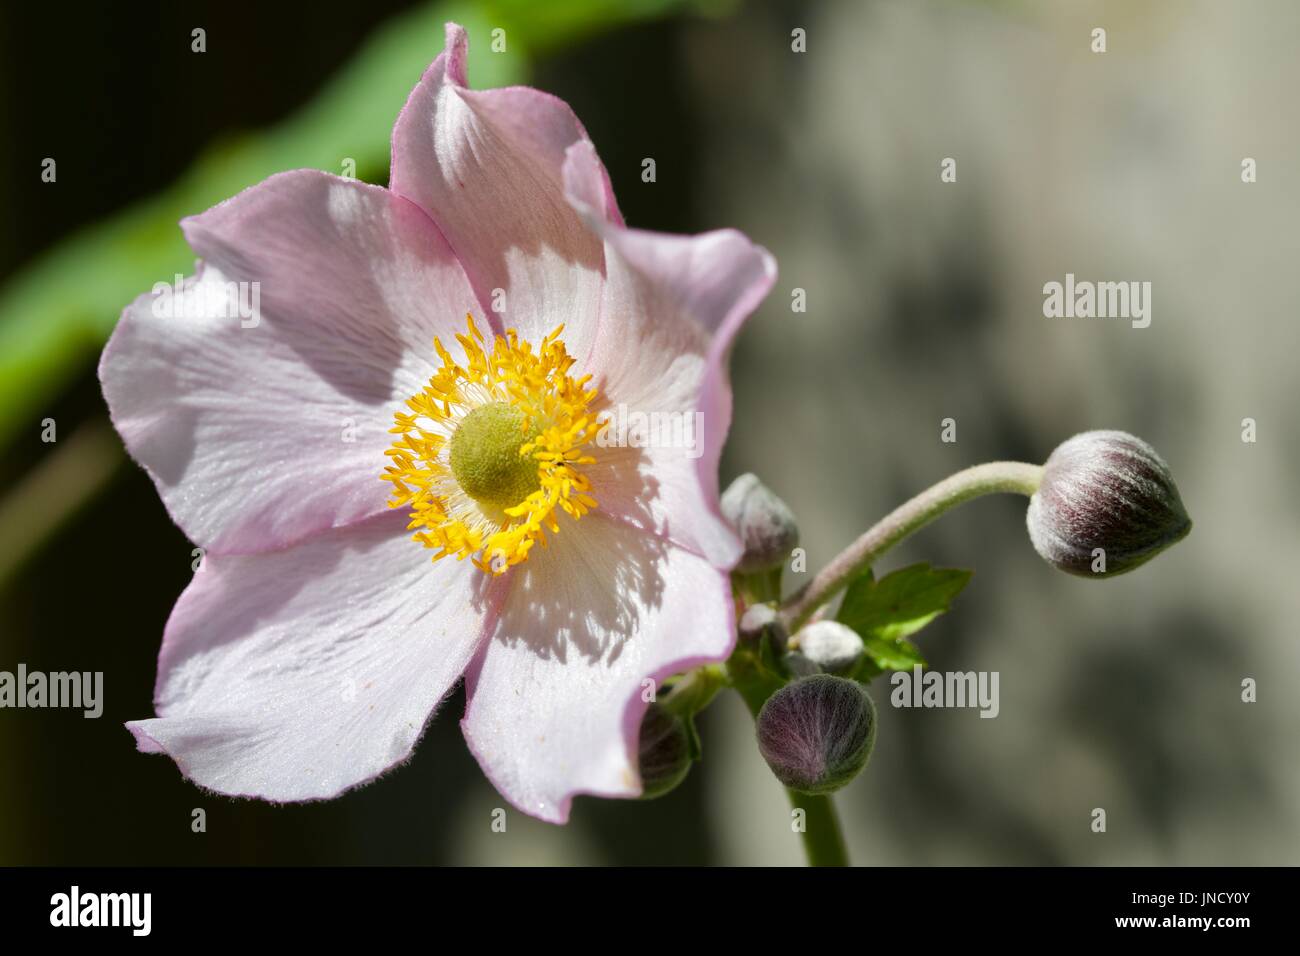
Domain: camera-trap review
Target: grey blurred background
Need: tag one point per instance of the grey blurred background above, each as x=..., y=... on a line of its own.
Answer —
x=924, y=303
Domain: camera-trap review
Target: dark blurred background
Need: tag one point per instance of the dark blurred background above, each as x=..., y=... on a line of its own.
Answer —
x=924, y=303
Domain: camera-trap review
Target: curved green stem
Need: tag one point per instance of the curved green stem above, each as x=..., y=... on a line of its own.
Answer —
x=823, y=840
x=998, y=476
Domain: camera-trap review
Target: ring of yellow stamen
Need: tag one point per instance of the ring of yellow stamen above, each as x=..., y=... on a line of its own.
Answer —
x=490, y=450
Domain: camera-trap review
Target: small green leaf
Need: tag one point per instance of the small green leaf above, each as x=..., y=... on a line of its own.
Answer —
x=893, y=655
x=887, y=611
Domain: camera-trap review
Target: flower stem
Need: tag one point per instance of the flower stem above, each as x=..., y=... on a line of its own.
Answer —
x=998, y=476
x=695, y=690
x=823, y=841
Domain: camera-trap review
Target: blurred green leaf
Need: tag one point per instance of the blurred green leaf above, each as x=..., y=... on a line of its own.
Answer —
x=56, y=313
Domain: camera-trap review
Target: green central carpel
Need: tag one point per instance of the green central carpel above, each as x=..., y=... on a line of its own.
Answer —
x=485, y=457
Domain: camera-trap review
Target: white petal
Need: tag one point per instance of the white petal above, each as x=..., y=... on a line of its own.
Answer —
x=261, y=431
x=296, y=674
x=556, y=693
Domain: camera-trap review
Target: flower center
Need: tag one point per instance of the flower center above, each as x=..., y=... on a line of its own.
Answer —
x=485, y=457
x=490, y=451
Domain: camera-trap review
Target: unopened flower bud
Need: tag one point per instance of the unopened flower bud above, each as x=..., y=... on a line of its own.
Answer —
x=665, y=751
x=816, y=733
x=764, y=522
x=1106, y=504
x=831, y=647
x=758, y=618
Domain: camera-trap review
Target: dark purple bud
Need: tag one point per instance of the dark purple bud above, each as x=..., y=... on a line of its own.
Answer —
x=1106, y=504
x=764, y=522
x=816, y=733
x=665, y=751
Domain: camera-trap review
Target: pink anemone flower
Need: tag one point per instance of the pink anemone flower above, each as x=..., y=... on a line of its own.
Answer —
x=408, y=429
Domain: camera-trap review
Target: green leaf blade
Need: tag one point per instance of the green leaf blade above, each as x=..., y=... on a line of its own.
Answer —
x=887, y=611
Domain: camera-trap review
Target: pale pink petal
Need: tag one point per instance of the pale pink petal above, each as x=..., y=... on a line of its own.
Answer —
x=296, y=674
x=487, y=166
x=672, y=306
x=555, y=695
x=260, y=436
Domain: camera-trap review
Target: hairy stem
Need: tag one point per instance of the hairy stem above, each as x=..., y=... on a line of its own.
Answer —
x=823, y=840
x=998, y=476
